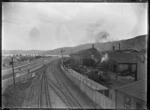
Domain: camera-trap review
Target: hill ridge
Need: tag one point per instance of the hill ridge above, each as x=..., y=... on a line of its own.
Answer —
x=137, y=43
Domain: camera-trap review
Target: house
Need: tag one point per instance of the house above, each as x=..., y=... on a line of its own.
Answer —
x=82, y=57
x=121, y=62
x=132, y=96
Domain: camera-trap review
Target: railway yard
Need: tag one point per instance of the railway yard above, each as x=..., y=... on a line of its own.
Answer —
x=51, y=88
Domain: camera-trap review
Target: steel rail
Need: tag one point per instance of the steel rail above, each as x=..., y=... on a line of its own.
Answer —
x=61, y=83
x=32, y=88
x=40, y=91
x=59, y=92
x=71, y=97
x=67, y=87
x=47, y=92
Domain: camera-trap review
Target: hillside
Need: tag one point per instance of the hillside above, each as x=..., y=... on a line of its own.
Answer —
x=21, y=51
x=137, y=43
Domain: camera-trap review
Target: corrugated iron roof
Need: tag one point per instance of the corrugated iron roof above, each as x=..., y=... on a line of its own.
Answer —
x=122, y=57
x=87, y=52
x=136, y=89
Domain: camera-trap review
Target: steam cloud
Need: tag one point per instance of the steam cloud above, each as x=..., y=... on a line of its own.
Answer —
x=104, y=58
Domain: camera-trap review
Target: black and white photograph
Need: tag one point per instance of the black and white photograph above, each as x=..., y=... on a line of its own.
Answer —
x=74, y=55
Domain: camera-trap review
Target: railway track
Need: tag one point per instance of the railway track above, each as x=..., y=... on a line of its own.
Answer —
x=74, y=103
x=40, y=93
x=44, y=96
x=40, y=86
x=47, y=95
x=51, y=82
x=60, y=93
x=33, y=88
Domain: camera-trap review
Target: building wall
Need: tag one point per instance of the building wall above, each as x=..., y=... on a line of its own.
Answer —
x=122, y=67
x=139, y=102
x=123, y=99
x=119, y=100
x=90, y=88
x=76, y=60
x=142, y=70
x=134, y=67
x=110, y=65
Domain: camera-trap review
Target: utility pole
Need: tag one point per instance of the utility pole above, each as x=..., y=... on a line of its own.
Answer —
x=62, y=56
x=43, y=58
x=13, y=70
x=28, y=70
x=20, y=74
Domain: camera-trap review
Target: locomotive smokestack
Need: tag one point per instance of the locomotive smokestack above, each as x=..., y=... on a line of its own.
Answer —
x=113, y=48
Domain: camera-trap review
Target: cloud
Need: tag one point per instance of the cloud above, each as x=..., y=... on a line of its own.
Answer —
x=34, y=33
x=51, y=25
x=142, y=19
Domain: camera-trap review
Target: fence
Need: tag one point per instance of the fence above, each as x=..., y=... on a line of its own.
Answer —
x=90, y=88
x=25, y=75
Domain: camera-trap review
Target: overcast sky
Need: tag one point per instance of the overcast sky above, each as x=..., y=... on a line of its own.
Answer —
x=47, y=26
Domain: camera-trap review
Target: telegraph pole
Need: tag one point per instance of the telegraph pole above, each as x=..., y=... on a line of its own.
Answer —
x=13, y=70
x=43, y=58
x=62, y=56
x=20, y=74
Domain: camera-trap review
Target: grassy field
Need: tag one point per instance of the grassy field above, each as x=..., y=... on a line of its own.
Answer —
x=13, y=96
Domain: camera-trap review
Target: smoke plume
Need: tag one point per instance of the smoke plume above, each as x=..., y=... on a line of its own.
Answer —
x=104, y=58
x=96, y=33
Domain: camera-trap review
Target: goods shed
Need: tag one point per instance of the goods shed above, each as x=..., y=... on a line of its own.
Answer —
x=121, y=63
x=132, y=96
x=88, y=56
